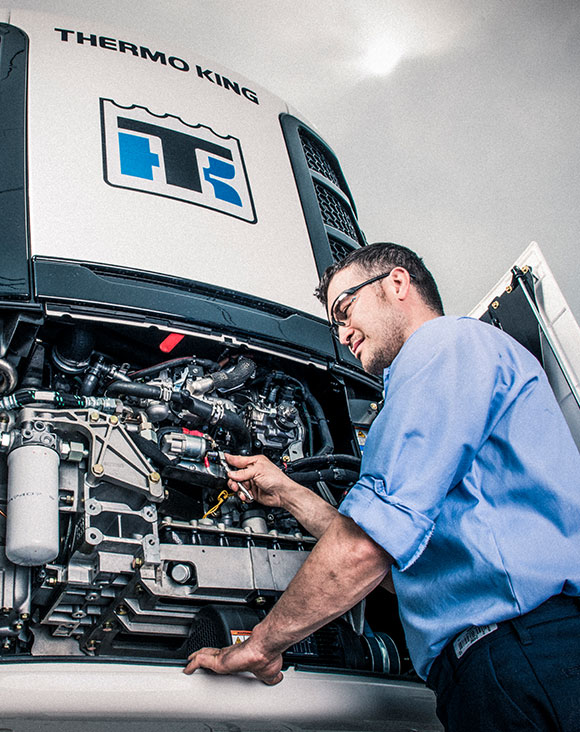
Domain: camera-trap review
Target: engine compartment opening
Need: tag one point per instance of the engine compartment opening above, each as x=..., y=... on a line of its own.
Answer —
x=120, y=535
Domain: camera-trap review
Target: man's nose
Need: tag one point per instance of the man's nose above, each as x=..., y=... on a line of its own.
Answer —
x=345, y=333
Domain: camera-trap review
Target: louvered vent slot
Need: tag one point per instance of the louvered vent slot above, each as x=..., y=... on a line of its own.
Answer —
x=339, y=249
x=317, y=159
x=334, y=212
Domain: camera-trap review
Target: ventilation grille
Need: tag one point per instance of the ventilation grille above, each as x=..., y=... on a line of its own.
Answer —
x=317, y=158
x=334, y=212
x=204, y=634
x=327, y=203
x=339, y=249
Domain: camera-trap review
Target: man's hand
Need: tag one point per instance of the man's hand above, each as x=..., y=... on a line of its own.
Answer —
x=266, y=483
x=234, y=659
x=270, y=486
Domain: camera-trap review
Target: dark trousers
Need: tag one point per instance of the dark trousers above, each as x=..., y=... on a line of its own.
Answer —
x=523, y=676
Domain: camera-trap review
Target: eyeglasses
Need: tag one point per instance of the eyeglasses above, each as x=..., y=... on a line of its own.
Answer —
x=341, y=304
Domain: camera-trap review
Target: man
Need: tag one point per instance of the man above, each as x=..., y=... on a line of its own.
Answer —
x=469, y=489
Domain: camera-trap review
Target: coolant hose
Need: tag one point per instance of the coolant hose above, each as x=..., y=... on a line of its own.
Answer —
x=325, y=436
x=242, y=371
x=330, y=475
x=218, y=415
x=349, y=462
x=73, y=352
x=128, y=388
x=235, y=424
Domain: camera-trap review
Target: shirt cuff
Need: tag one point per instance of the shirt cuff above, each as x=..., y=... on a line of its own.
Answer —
x=402, y=531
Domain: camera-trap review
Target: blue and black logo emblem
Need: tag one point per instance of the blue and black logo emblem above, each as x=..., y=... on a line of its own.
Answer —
x=167, y=157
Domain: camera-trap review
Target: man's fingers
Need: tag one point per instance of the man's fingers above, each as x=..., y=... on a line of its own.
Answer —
x=244, y=493
x=241, y=475
x=239, y=461
x=233, y=660
x=204, y=658
x=270, y=681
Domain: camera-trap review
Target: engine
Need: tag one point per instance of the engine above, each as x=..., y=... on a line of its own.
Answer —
x=121, y=534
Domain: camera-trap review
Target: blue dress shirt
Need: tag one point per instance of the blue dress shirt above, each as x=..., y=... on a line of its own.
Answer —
x=470, y=480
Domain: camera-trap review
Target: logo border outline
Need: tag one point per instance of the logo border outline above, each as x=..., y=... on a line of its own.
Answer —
x=254, y=220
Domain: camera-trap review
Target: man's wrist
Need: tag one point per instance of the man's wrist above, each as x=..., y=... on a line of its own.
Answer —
x=292, y=495
x=262, y=643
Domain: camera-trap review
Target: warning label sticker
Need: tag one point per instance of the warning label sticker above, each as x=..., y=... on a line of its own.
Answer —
x=239, y=636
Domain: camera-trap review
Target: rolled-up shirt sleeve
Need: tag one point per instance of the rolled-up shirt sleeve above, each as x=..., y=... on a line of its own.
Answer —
x=377, y=513
x=437, y=413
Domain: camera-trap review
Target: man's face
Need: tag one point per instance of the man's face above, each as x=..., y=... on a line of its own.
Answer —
x=374, y=329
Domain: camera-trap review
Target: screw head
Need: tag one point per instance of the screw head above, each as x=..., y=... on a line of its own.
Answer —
x=98, y=469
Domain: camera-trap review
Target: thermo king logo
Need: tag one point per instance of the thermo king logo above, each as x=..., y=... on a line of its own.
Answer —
x=165, y=156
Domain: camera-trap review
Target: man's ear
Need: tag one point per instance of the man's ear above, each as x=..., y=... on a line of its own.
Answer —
x=400, y=282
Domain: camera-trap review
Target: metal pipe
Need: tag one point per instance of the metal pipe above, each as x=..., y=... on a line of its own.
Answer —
x=8, y=376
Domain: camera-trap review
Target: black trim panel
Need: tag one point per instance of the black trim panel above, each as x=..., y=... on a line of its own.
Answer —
x=14, y=272
x=148, y=297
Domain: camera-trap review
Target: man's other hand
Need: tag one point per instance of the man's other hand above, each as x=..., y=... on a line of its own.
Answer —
x=235, y=659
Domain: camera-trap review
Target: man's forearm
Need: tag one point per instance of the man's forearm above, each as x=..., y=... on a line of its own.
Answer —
x=343, y=568
x=309, y=509
x=316, y=515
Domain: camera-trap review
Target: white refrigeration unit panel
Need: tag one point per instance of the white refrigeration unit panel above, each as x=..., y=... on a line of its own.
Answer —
x=149, y=157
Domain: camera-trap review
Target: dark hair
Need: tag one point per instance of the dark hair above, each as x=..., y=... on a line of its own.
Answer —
x=380, y=257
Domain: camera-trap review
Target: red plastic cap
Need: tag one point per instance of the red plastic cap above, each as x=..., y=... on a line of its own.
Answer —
x=168, y=344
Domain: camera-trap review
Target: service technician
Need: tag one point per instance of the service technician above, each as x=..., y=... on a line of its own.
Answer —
x=468, y=497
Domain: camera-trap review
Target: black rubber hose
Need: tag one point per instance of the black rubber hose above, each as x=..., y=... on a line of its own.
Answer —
x=324, y=461
x=35, y=396
x=329, y=475
x=325, y=436
x=75, y=347
x=242, y=371
x=171, y=364
x=201, y=409
x=229, y=421
x=234, y=424
x=140, y=391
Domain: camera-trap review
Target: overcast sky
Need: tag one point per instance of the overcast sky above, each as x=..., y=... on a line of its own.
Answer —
x=456, y=122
